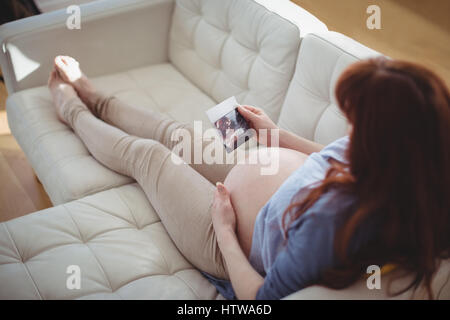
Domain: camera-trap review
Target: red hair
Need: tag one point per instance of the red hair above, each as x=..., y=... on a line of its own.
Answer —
x=399, y=171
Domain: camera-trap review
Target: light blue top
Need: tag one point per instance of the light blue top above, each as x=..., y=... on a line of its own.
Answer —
x=292, y=265
x=268, y=235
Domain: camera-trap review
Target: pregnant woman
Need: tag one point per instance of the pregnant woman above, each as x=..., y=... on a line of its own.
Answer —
x=378, y=196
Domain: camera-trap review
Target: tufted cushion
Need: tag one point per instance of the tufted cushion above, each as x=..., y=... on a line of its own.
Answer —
x=310, y=108
x=60, y=159
x=117, y=240
x=235, y=47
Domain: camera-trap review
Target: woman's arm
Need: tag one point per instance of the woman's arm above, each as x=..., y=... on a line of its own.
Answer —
x=290, y=140
x=259, y=120
x=308, y=253
x=244, y=279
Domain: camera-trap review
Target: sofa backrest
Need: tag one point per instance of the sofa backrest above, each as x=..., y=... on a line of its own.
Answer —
x=235, y=47
x=310, y=108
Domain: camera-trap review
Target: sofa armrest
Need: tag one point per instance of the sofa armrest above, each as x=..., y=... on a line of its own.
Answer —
x=115, y=35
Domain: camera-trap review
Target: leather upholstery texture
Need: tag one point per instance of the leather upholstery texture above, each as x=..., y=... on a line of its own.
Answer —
x=180, y=58
x=310, y=109
x=116, y=240
x=227, y=48
x=61, y=161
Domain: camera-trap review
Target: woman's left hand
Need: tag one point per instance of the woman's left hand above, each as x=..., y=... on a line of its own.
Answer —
x=223, y=215
x=244, y=278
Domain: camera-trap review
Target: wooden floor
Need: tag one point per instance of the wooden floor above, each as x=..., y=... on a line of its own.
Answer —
x=414, y=30
x=20, y=192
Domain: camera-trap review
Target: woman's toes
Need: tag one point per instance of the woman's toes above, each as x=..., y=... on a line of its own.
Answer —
x=60, y=66
x=68, y=68
x=59, y=62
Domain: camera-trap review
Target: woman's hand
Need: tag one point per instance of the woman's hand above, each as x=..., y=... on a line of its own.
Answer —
x=223, y=215
x=258, y=120
x=244, y=279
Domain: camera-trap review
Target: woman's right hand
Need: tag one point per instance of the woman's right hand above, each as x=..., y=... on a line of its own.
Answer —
x=258, y=120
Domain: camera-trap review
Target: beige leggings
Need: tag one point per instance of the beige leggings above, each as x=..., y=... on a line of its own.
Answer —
x=136, y=142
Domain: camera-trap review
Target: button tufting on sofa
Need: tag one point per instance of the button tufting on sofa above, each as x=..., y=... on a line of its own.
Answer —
x=274, y=39
x=115, y=257
x=187, y=56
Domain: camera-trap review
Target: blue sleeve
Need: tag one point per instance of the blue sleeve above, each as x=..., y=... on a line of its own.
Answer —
x=337, y=149
x=308, y=253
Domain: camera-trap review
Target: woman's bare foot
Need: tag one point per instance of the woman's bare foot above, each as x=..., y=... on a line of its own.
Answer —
x=61, y=92
x=69, y=70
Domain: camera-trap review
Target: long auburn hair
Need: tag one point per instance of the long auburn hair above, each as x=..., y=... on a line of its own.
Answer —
x=398, y=169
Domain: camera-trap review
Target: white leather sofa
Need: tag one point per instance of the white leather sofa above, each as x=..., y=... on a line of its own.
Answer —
x=178, y=57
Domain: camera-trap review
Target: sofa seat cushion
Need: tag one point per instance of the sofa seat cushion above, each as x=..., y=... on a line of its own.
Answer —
x=60, y=159
x=115, y=238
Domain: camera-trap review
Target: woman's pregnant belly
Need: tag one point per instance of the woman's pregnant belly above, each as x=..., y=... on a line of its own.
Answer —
x=250, y=189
